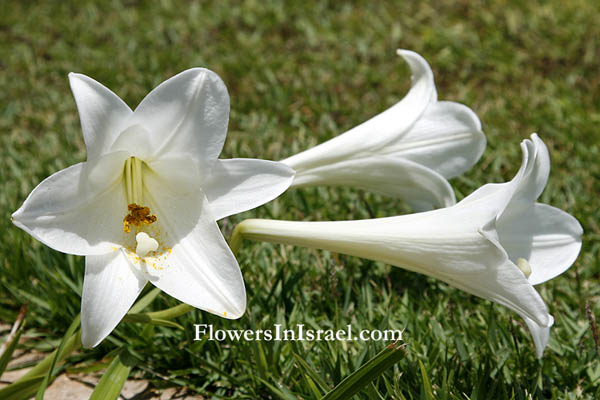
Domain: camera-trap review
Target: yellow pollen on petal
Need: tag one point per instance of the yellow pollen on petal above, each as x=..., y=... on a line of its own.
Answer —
x=524, y=267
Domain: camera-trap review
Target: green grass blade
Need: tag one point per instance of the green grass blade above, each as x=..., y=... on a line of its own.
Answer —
x=114, y=378
x=427, y=389
x=42, y=367
x=281, y=392
x=367, y=373
x=311, y=372
x=72, y=328
x=21, y=390
x=313, y=387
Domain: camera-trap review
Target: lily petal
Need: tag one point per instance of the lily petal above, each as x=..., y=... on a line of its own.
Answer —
x=78, y=210
x=549, y=238
x=241, y=184
x=102, y=113
x=422, y=188
x=379, y=130
x=186, y=115
x=447, y=138
x=200, y=269
x=110, y=286
x=534, y=172
x=540, y=334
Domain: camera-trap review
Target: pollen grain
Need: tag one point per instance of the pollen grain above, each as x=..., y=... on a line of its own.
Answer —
x=137, y=216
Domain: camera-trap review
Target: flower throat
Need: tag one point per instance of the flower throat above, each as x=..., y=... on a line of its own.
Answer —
x=137, y=213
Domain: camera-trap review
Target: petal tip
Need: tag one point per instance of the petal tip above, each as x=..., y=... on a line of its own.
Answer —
x=89, y=342
x=407, y=54
x=235, y=314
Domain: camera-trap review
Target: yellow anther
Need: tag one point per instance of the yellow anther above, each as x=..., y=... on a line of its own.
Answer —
x=137, y=216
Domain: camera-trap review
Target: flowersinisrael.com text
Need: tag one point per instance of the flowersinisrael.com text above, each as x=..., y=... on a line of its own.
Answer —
x=299, y=333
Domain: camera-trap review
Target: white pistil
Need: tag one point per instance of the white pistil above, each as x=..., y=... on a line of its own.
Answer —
x=524, y=267
x=145, y=244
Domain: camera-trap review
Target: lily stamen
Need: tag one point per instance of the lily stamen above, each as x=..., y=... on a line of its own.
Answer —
x=137, y=216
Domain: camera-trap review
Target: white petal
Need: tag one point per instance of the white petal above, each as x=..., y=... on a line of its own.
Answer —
x=422, y=188
x=380, y=130
x=187, y=115
x=102, y=114
x=507, y=285
x=200, y=269
x=533, y=174
x=547, y=237
x=78, y=210
x=135, y=140
x=540, y=334
x=524, y=188
x=241, y=184
x=447, y=139
x=110, y=286
x=182, y=175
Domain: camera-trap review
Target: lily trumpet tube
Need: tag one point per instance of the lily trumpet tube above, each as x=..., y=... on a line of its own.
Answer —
x=496, y=243
x=408, y=151
x=143, y=206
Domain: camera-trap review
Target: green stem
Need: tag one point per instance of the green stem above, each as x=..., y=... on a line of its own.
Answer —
x=237, y=237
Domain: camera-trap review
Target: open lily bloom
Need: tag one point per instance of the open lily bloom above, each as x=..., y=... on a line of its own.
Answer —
x=408, y=151
x=496, y=243
x=143, y=206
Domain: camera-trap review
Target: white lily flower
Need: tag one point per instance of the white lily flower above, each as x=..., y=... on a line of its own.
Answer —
x=143, y=206
x=496, y=243
x=407, y=151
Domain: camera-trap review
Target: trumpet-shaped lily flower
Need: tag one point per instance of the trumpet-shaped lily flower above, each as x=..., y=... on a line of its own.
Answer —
x=496, y=243
x=407, y=151
x=143, y=206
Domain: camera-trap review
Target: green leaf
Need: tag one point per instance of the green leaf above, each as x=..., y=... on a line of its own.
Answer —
x=367, y=373
x=114, y=378
x=172, y=312
x=72, y=328
x=144, y=301
x=147, y=319
x=21, y=390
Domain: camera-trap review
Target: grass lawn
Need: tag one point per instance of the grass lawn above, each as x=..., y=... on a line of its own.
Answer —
x=298, y=74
